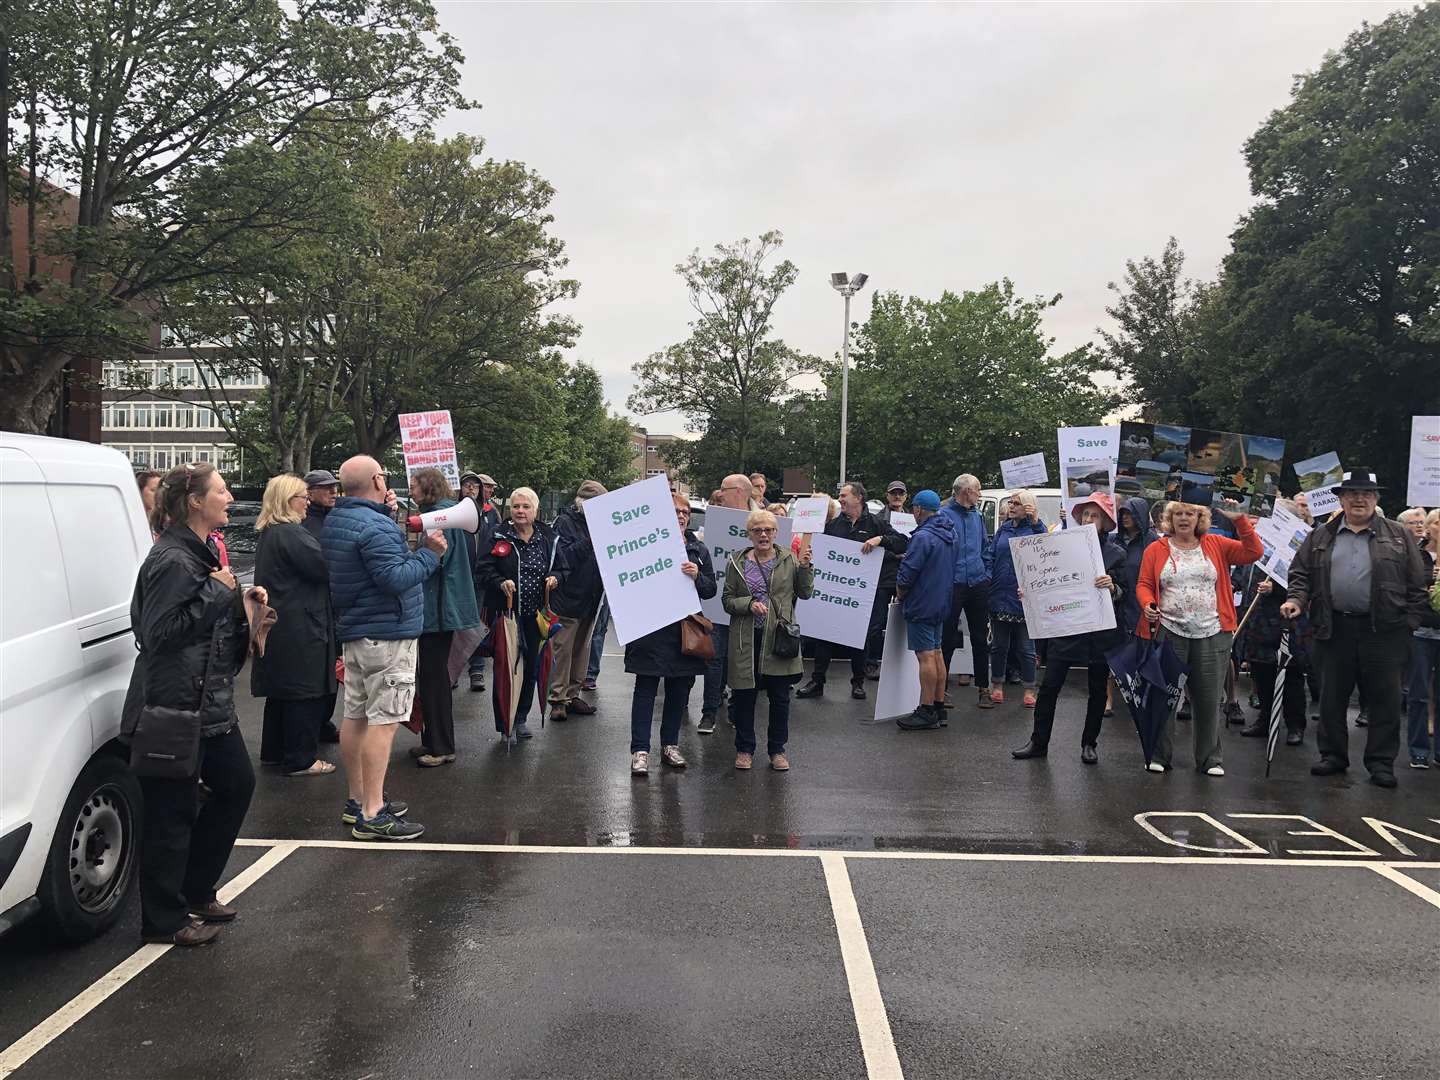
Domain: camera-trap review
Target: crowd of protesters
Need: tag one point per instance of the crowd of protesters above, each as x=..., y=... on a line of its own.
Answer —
x=367, y=608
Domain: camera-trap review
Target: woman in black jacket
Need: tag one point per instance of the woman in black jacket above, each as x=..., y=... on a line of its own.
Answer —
x=191, y=630
x=296, y=676
x=515, y=571
x=1087, y=650
x=657, y=656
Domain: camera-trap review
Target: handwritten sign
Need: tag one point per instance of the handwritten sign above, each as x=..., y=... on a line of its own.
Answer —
x=1056, y=572
x=902, y=523
x=1024, y=472
x=427, y=439
x=845, y=580
x=1424, y=489
x=808, y=515
x=639, y=548
x=725, y=536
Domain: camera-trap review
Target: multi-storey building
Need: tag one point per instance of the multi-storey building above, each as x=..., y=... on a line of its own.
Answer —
x=648, y=450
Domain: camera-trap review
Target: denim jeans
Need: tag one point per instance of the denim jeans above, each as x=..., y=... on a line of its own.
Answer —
x=597, y=640
x=1004, y=635
x=642, y=709
x=1424, y=688
x=715, y=670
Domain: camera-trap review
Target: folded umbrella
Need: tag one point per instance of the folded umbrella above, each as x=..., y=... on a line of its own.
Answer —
x=509, y=672
x=1277, y=705
x=1151, y=679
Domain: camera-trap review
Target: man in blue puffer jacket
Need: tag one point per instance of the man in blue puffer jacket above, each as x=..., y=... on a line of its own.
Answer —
x=970, y=591
x=923, y=582
x=377, y=591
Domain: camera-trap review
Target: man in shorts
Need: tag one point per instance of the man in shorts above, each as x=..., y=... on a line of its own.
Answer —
x=377, y=591
x=923, y=584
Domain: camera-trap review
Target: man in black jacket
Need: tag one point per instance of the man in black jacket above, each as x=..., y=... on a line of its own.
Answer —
x=895, y=496
x=480, y=489
x=576, y=602
x=855, y=522
x=323, y=488
x=1363, y=581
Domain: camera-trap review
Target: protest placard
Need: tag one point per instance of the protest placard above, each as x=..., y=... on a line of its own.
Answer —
x=1198, y=465
x=1281, y=534
x=639, y=548
x=1026, y=471
x=1056, y=572
x=808, y=515
x=1424, y=486
x=1083, y=450
x=845, y=580
x=725, y=536
x=427, y=440
x=899, y=690
x=1318, y=476
x=902, y=523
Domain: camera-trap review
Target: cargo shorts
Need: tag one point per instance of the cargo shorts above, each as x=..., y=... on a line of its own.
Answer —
x=379, y=679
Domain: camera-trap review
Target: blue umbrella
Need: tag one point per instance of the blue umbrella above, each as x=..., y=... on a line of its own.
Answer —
x=1151, y=679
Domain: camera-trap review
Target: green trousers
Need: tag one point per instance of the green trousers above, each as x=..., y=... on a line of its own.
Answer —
x=1208, y=659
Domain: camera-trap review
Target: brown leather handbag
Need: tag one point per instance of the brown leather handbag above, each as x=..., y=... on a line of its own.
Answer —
x=695, y=639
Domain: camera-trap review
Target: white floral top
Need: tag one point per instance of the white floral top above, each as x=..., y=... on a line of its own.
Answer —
x=1187, y=594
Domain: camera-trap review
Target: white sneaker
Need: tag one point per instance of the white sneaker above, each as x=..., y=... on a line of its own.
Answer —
x=1215, y=770
x=639, y=763
x=1155, y=766
x=671, y=756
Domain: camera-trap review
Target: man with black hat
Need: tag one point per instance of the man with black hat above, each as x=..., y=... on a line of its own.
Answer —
x=1362, y=579
x=322, y=487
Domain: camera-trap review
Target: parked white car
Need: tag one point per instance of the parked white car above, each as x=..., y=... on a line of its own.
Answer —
x=72, y=536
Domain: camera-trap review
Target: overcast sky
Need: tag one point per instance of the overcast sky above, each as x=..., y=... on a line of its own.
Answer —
x=933, y=146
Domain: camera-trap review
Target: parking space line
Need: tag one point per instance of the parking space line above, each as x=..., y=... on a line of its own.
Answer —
x=815, y=853
x=871, y=1019
x=1405, y=881
x=83, y=1003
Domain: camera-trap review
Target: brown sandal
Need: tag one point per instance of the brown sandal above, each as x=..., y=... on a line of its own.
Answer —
x=319, y=768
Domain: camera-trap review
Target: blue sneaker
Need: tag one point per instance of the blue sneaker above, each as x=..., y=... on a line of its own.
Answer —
x=1419, y=763
x=385, y=826
x=351, y=814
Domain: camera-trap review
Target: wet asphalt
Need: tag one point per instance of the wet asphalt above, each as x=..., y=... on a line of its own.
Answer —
x=400, y=963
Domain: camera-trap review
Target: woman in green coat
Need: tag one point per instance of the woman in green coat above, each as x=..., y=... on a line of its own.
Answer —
x=762, y=584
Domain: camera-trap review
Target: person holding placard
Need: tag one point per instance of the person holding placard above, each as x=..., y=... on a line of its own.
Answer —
x=1088, y=649
x=733, y=494
x=762, y=584
x=1007, y=615
x=855, y=522
x=1186, y=598
x=658, y=656
x=1425, y=658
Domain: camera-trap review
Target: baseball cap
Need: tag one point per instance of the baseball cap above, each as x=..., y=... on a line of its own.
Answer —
x=321, y=478
x=926, y=500
x=896, y=485
x=471, y=476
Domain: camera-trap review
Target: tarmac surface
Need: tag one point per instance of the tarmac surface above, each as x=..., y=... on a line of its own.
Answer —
x=897, y=905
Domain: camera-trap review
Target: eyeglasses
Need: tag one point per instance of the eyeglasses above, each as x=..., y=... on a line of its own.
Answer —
x=761, y=530
x=302, y=495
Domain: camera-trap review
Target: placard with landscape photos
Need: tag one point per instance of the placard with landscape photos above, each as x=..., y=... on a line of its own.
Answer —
x=1199, y=466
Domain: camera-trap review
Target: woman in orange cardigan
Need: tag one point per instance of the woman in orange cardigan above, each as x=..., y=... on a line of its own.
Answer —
x=1186, y=598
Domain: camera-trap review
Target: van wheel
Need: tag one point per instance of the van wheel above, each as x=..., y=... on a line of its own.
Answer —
x=92, y=861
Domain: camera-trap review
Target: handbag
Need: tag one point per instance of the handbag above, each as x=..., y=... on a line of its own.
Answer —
x=695, y=639
x=785, y=642
x=166, y=743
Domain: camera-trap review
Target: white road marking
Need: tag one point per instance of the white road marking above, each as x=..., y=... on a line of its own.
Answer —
x=83, y=1003
x=876, y=1041
x=815, y=853
x=1405, y=881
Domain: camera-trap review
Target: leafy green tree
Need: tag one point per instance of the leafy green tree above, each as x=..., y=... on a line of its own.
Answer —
x=955, y=384
x=131, y=103
x=728, y=376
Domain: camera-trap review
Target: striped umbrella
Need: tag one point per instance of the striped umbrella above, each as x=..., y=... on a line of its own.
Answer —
x=1277, y=704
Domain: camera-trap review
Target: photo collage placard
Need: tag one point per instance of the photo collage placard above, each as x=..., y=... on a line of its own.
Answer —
x=1199, y=466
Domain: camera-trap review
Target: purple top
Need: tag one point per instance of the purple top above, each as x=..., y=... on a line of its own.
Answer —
x=757, y=578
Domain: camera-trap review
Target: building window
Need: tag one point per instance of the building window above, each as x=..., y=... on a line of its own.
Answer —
x=185, y=417
x=141, y=415
x=203, y=455
x=140, y=457
x=161, y=415
x=162, y=457
x=119, y=416
x=185, y=374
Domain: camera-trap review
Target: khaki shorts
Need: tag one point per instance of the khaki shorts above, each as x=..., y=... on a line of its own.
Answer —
x=379, y=680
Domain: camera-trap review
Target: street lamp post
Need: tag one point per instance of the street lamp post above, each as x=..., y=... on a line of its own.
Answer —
x=847, y=287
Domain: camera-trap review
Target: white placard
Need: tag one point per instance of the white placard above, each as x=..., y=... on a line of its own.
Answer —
x=899, y=690
x=845, y=580
x=808, y=515
x=1081, y=445
x=1317, y=476
x=725, y=536
x=639, y=548
x=963, y=660
x=427, y=439
x=1057, y=572
x=902, y=523
x=1026, y=471
x=1282, y=534
x=1424, y=487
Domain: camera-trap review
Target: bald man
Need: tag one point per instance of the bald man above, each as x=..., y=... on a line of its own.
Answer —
x=377, y=591
x=736, y=493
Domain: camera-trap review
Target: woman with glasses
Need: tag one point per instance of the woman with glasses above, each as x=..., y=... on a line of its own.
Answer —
x=762, y=584
x=657, y=657
x=296, y=676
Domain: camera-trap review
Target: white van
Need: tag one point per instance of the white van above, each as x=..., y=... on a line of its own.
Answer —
x=72, y=536
x=993, y=502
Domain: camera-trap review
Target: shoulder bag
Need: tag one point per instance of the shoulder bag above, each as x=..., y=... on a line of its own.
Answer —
x=695, y=639
x=166, y=743
x=785, y=641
